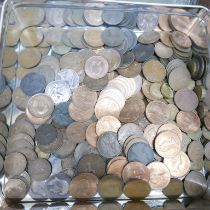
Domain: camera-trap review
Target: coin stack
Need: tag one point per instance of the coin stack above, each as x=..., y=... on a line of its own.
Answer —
x=100, y=110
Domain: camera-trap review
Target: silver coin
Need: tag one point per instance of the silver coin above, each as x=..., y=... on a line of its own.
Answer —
x=70, y=76
x=147, y=21
x=59, y=91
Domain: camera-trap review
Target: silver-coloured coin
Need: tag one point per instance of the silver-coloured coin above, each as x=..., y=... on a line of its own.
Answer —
x=70, y=76
x=147, y=21
x=59, y=91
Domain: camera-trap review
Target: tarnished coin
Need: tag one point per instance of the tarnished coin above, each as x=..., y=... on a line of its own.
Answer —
x=168, y=144
x=179, y=166
x=163, y=51
x=157, y=112
x=164, y=23
x=112, y=36
x=166, y=91
x=147, y=21
x=165, y=38
x=9, y=57
x=12, y=36
x=181, y=39
x=61, y=49
x=174, y=189
x=195, y=184
x=135, y=170
x=149, y=37
x=78, y=17
x=96, y=67
x=128, y=130
x=155, y=90
x=83, y=186
x=1, y=163
x=108, y=145
x=57, y=186
x=154, y=71
x=180, y=100
x=82, y=206
x=109, y=205
x=31, y=37
x=39, y=169
x=207, y=151
x=137, y=189
x=159, y=175
x=38, y=190
x=91, y=163
x=59, y=91
x=60, y=115
x=40, y=105
x=76, y=132
x=143, y=52
x=29, y=57
x=112, y=17
x=91, y=135
x=14, y=164
x=136, y=205
x=4, y=130
x=54, y=16
x=195, y=151
x=8, y=74
x=188, y=122
x=110, y=187
x=107, y=124
x=207, y=121
x=7, y=95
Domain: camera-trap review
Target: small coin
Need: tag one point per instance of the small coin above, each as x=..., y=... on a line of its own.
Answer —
x=29, y=57
x=92, y=163
x=159, y=175
x=96, y=67
x=108, y=145
x=112, y=36
x=157, y=112
x=137, y=189
x=195, y=184
x=179, y=166
x=107, y=124
x=39, y=169
x=149, y=37
x=9, y=57
x=154, y=71
x=59, y=91
x=195, y=151
x=174, y=189
x=188, y=122
x=163, y=51
x=135, y=170
x=14, y=164
x=83, y=186
x=110, y=187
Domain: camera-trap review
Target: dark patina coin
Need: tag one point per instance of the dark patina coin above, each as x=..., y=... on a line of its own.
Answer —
x=143, y=52
x=92, y=163
x=141, y=152
x=57, y=186
x=33, y=83
x=108, y=145
x=61, y=116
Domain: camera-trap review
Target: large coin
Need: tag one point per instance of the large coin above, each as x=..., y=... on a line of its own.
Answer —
x=159, y=175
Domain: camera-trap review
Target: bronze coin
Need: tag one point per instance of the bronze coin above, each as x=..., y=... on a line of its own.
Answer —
x=91, y=135
x=195, y=151
x=137, y=189
x=133, y=109
x=83, y=186
x=164, y=23
x=149, y=37
x=157, y=112
x=165, y=38
x=110, y=187
x=174, y=189
x=9, y=57
x=135, y=170
x=188, y=122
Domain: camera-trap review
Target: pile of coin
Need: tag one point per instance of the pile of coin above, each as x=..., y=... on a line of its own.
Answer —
x=102, y=110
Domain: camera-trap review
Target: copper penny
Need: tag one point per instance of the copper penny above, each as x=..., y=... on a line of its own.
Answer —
x=83, y=186
x=91, y=135
x=137, y=189
x=159, y=175
x=135, y=170
x=188, y=122
x=165, y=38
x=167, y=144
x=157, y=112
x=195, y=151
x=179, y=166
x=116, y=166
x=107, y=123
x=154, y=71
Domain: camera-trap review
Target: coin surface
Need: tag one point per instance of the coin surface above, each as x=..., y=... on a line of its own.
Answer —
x=9, y=57
x=149, y=37
x=91, y=135
x=159, y=175
x=147, y=21
x=83, y=186
x=137, y=189
x=143, y=52
x=195, y=151
x=110, y=187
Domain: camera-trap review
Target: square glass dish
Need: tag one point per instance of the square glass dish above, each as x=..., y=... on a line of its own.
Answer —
x=82, y=77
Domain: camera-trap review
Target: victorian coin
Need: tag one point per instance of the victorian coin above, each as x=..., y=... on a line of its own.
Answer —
x=174, y=189
x=135, y=170
x=159, y=175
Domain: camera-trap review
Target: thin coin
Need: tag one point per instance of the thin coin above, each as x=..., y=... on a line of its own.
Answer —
x=137, y=189
x=110, y=187
x=159, y=175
